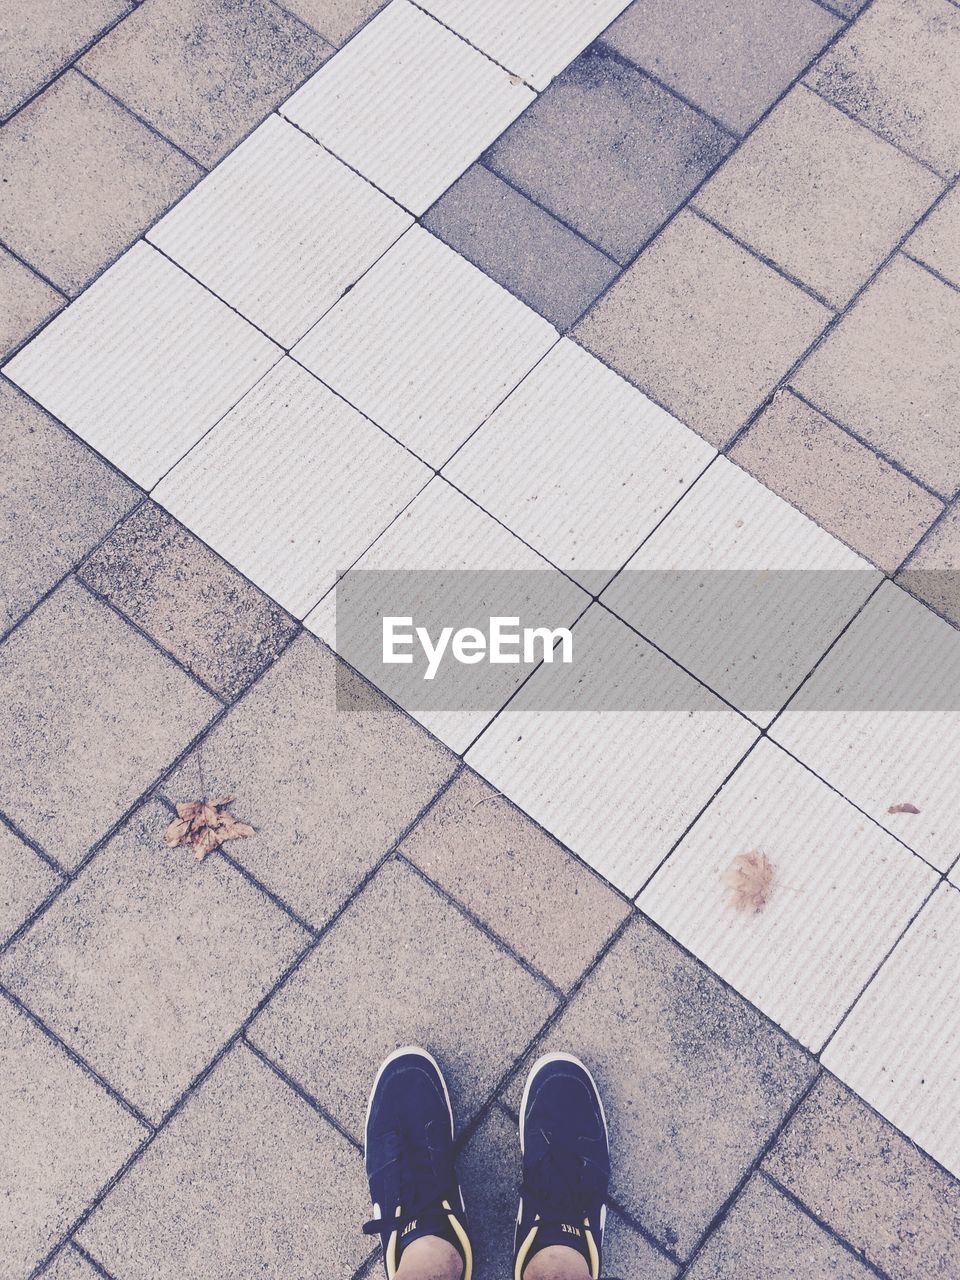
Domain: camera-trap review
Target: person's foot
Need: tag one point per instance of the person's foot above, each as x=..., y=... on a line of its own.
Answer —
x=408, y=1147
x=566, y=1164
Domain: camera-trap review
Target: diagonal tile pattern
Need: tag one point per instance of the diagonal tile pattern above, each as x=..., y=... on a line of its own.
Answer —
x=819, y=257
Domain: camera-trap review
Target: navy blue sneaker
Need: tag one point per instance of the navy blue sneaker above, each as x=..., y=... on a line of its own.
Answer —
x=408, y=1146
x=566, y=1163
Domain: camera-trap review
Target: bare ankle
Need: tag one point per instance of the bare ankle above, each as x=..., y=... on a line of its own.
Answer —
x=430, y=1258
x=557, y=1262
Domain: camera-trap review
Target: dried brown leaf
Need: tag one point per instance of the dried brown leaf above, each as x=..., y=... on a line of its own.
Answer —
x=204, y=825
x=903, y=808
x=750, y=879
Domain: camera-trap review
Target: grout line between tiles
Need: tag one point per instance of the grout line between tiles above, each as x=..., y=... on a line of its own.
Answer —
x=822, y=1224
x=613, y=53
x=303, y=1094
x=36, y=272
x=151, y=128
x=90, y=1260
x=762, y=257
x=925, y=266
x=77, y=1059
x=924, y=164
x=753, y=1168
x=75, y=58
x=514, y=75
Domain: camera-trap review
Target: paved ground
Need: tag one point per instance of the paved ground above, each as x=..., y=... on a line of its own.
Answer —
x=748, y=211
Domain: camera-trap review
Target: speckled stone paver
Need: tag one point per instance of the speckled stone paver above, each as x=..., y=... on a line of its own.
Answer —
x=82, y=179
x=747, y=209
x=220, y=627
x=204, y=72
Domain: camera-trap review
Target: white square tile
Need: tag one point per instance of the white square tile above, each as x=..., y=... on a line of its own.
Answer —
x=900, y=1047
x=408, y=104
x=843, y=892
x=291, y=486
x=280, y=230
x=426, y=345
x=579, y=463
x=143, y=363
x=741, y=589
x=474, y=566
x=880, y=721
x=618, y=786
x=533, y=38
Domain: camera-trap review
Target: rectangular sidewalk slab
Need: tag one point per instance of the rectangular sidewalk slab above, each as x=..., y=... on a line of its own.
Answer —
x=843, y=891
x=621, y=780
x=741, y=589
x=143, y=363
x=898, y=1048
x=579, y=464
x=884, y=727
x=280, y=230
x=318, y=483
x=426, y=345
x=408, y=104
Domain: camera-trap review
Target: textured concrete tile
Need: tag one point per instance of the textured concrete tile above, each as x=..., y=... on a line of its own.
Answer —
x=246, y=1171
x=82, y=179
x=898, y=70
x=937, y=240
x=843, y=892
x=898, y=1047
x=819, y=194
x=457, y=558
x=858, y=1174
x=425, y=345
x=708, y=1081
x=703, y=326
x=890, y=371
x=490, y=1174
x=534, y=41
x=609, y=151
x=26, y=302
x=151, y=961
x=436, y=104
x=56, y=500
x=766, y=1237
x=143, y=363
x=204, y=72
x=522, y=885
x=319, y=480
x=639, y=717
x=579, y=464
x=327, y=771
x=837, y=481
x=65, y=1138
x=336, y=20
x=742, y=590
x=90, y=713
x=25, y=880
x=397, y=959
x=280, y=230
x=219, y=626
x=883, y=727
x=37, y=40
x=521, y=246
x=732, y=58
x=933, y=571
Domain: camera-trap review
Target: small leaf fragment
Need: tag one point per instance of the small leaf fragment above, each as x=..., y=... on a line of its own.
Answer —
x=750, y=880
x=903, y=808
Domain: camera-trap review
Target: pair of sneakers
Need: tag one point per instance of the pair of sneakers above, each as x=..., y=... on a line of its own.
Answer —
x=409, y=1145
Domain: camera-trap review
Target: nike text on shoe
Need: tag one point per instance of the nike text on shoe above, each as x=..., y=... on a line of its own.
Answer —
x=408, y=1147
x=566, y=1163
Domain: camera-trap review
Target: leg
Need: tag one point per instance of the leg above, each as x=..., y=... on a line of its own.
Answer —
x=566, y=1170
x=409, y=1146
